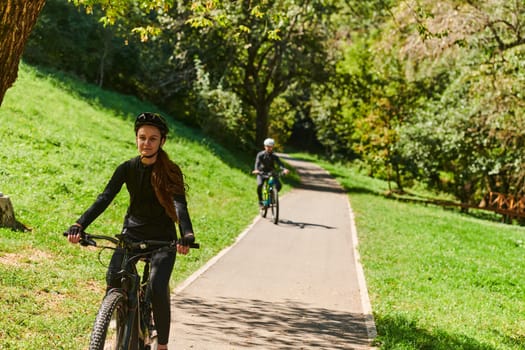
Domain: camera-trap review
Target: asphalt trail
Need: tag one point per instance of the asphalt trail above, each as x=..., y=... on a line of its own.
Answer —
x=295, y=285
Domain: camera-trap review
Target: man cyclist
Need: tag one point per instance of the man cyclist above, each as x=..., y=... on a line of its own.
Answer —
x=265, y=162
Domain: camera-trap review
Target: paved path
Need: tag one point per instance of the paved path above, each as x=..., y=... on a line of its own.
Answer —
x=295, y=285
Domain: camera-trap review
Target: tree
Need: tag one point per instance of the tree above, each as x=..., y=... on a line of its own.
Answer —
x=264, y=51
x=472, y=132
x=17, y=18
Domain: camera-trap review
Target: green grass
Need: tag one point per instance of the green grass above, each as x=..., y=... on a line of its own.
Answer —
x=61, y=140
x=437, y=279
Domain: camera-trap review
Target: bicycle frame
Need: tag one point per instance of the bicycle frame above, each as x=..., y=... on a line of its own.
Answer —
x=267, y=189
x=132, y=293
x=130, y=283
x=270, y=196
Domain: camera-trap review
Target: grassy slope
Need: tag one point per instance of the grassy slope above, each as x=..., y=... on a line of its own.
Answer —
x=61, y=141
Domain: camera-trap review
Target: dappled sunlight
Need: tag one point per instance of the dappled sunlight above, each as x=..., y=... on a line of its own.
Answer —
x=249, y=323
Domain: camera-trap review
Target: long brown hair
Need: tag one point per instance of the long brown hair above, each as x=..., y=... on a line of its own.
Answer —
x=167, y=180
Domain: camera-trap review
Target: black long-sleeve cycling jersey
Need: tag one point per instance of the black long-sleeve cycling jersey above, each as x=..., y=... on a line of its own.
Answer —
x=145, y=217
x=267, y=161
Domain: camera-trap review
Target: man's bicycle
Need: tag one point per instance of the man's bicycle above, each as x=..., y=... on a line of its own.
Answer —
x=270, y=196
x=124, y=320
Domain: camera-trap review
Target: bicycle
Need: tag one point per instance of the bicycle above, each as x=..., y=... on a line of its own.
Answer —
x=124, y=320
x=270, y=196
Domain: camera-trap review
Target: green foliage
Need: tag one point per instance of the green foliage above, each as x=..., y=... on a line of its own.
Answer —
x=68, y=39
x=115, y=10
x=284, y=113
x=343, y=100
x=252, y=54
x=220, y=113
x=65, y=37
x=471, y=128
x=432, y=90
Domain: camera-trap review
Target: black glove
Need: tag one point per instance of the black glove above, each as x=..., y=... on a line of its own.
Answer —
x=74, y=230
x=187, y=239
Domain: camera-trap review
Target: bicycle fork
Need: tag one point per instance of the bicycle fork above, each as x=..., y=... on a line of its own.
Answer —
x=146, y=323
x=267, y=191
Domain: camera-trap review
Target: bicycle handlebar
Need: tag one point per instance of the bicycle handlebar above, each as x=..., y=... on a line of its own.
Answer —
x=269, y=173
x=87, y=239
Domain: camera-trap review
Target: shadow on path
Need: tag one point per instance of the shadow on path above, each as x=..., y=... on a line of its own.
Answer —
x=313, y=178
x=281, y=324
x=291, y=223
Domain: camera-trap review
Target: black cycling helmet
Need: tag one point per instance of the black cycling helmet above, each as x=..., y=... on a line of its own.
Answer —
x=148, y=118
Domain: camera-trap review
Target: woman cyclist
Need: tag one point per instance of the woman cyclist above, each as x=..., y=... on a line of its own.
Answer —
x=157, y=204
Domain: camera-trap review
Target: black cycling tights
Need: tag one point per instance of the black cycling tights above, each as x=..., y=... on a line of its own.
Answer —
x=161, y=267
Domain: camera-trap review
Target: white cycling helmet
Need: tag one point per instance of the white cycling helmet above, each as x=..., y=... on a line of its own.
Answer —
x=269, y=142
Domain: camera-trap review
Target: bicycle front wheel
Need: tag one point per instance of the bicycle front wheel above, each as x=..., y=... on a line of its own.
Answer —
x=275, y=205
x=266, y=201
x=264, y=210
x=108, y=331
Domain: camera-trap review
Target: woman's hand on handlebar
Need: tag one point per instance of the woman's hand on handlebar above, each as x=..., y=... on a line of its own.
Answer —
x=183, y=249
x=74, y=233
x=183, y=246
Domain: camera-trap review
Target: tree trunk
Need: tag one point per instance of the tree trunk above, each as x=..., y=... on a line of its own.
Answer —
x=17, y=19
x=261, y=125
x=7, y=215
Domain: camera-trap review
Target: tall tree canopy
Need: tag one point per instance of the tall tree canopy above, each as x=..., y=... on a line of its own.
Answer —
x=267, y=53
x=459, y=66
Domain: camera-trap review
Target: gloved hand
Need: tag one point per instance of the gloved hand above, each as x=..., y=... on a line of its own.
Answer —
x=74, y=233
x=74, y=230
x=187, y=239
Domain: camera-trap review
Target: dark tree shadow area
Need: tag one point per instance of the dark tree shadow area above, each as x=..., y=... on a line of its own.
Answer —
x=401, y=333
x=249, y=323
x=127, y=107
x=314, y=178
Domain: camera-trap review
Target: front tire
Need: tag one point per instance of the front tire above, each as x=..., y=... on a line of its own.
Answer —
x=275, y=205
x=264, y=210
x=108, y=330
x=265, y=202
